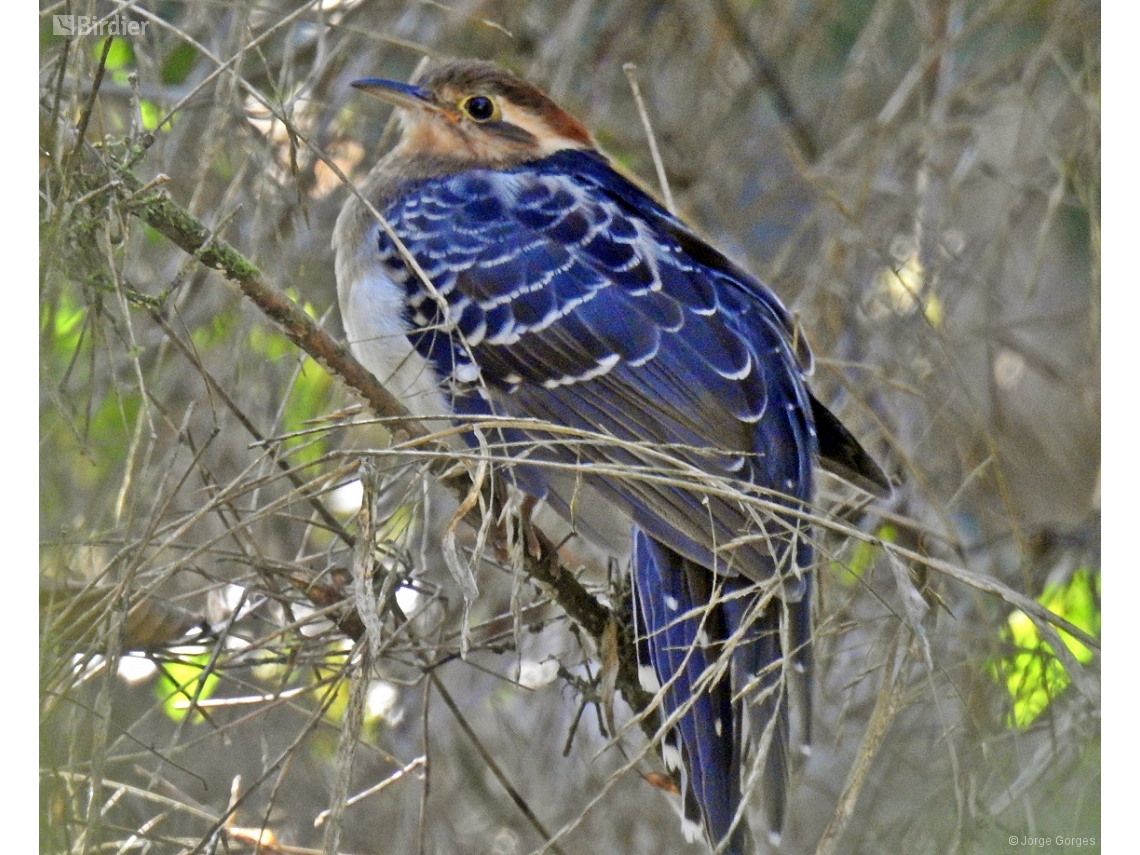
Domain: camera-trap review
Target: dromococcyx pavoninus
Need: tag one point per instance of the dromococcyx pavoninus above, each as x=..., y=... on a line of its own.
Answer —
x=547, y=286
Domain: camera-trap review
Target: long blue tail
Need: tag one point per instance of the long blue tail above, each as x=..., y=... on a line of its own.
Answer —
x=683, y=627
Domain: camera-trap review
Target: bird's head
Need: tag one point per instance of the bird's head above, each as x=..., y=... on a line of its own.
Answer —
x=477, y=114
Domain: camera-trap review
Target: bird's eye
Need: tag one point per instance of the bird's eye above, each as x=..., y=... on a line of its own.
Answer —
x=480, y=108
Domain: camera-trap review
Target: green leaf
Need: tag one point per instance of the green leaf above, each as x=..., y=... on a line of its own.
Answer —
x=178, y=63
x=1031, y=672
x=863, y=556
x=120, y=59
x=62, y=322
x=180, y=682
x=152, y=115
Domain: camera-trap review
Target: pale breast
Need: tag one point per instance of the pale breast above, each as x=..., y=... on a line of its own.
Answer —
x=373, y=310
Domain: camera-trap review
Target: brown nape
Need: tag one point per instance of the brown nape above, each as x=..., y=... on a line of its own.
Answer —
x=463, y=77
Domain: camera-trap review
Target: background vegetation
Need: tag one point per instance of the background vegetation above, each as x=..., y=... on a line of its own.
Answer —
x=918, y=180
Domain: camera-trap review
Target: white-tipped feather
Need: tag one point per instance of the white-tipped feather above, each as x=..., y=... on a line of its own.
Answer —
x=672, y=757
x=647, y=677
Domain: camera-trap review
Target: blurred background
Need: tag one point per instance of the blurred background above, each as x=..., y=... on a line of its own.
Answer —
x=919, y=181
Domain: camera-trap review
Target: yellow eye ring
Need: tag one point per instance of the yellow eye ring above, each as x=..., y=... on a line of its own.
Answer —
x=480, y=108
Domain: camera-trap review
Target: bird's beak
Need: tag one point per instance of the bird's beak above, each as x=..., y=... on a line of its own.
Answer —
x=398, y=94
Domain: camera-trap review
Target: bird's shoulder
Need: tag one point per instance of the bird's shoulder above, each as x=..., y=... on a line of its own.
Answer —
x=571, y=226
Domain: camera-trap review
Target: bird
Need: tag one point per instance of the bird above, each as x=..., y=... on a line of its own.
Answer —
x=516, y=273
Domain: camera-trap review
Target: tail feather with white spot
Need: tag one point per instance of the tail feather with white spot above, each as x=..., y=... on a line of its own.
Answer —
x=708, y=640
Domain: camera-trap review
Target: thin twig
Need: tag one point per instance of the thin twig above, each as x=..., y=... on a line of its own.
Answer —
x=487, y=758
x=769, y=76
x=662, y=179
x=887, y=706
